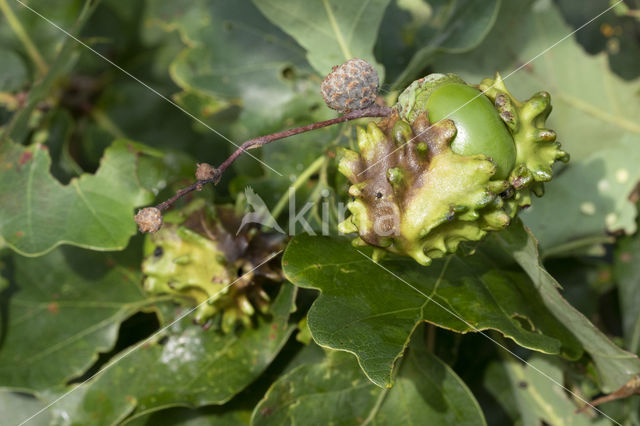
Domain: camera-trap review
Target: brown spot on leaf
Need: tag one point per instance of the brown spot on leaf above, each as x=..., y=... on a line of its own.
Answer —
x=634, y=197
x=604, y=275
x=527, y=67
x=266, y=411
x=21, y=98
x=19, y=234
x=53, y=307
x=26, y=156
x=626, y=257
x=609, y=31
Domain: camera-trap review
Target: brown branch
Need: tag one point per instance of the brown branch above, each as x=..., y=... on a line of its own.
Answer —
x=372, y=111
x=632, y=387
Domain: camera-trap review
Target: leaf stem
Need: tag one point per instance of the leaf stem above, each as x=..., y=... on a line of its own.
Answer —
x=376, y=408
x=306, y=174
x=18, y=29
x=372, y=111
x=18, y=128
x=336, y=29
x=575, y=245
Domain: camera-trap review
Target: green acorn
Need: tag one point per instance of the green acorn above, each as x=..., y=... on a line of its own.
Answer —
x=197, y=256
x=448, y=166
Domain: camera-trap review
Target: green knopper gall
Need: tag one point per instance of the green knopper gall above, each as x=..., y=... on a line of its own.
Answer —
x=450, y=164
x=197, y=256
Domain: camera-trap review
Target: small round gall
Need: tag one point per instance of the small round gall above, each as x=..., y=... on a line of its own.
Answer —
x=350, y=86
x=149, y=219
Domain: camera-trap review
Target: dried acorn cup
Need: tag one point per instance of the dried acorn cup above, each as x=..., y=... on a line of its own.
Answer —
x=449, y=165
x=198, y=256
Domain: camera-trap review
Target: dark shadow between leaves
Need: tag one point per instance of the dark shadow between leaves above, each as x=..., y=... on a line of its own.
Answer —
x=134, y=329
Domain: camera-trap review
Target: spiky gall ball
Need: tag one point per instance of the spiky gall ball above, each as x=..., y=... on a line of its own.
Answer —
x=200, y=256
x=452, y=163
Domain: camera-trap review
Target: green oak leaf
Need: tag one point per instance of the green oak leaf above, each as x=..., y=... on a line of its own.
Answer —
x=92, y=211
x=621, y=47
x=614, y=365
x=62, y=309
x=184, y=366
x=414, y=32
x=238, y=410
x=18, y=407
x=157, y=171
x=594, y=114
x=129, y=105
x=627, y=276
x=14, y=72
x=236, y=60
x=287, y=157
x=371, y=309
x=206, y=416
x=594, y=195
x=55, y=133
x=331, y=31
x=534, y=398
x=426, y=391
x=235, y=56
x=245, y=77
x=497, y=383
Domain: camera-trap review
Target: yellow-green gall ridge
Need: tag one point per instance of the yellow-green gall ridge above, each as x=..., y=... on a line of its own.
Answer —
x=448, y=166
x=197, y=258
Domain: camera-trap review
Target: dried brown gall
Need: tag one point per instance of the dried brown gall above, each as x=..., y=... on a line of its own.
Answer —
x=149, y=219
